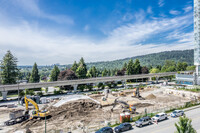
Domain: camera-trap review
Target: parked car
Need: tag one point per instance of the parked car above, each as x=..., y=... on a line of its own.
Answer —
x=177, y=113
x=123, y=127
x=160, y=117
x=105, y=130
x=143, y=121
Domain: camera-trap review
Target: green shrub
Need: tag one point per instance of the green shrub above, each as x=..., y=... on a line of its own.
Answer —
x=39, y=93
x=29, y=92
x=21, y=93
x=46, y=90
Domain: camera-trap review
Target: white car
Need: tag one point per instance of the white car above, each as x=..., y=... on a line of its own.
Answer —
x=177, y=113
x=160, y=117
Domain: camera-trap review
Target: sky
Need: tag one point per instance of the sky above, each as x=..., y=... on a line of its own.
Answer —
x=62, y=31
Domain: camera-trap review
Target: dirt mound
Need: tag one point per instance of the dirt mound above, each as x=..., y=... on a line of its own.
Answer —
x=141, y=105
x=70, y=111
x=150, y=97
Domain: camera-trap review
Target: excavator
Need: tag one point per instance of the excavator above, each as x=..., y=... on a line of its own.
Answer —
x=126, y=107
x=137, y=94
x=19, y=116
x=36, y=113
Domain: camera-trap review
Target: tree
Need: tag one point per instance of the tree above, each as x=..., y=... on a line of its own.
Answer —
x=28, y=76
x=184, y=125
x=124, y=66
x=92, y=72
x=104, y=73
x=54, y=74
x=120, y=73
x=144, y=70
x=35, y=77
x=67, y=75
x=169, y=66
x=9, y=71
x=130, y=67
x=154, y=70
x=190, y=68
x=74, y=66
x=82, y=69
x=137, y=67
x=181, y=66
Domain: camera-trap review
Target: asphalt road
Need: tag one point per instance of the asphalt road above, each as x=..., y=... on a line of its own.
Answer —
x=167, y=126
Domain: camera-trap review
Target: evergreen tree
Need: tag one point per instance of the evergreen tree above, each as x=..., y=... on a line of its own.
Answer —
x=82, y=69
x=104, y=73
x=74, y=66
x=9, y=71
x=54, y=74
x=130, y=67
x=28, y=75
x=184, y=125
x=92, y=72
x=35, y=77
x=124, y=66
x=137, y=67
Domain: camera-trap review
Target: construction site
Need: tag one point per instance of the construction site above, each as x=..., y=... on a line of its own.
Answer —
x=89, y=112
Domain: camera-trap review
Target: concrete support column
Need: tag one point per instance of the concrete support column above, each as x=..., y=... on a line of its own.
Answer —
x=122, y=82
x=150, y=79
x=75, y=87
x=157, y=79
x=4, y=95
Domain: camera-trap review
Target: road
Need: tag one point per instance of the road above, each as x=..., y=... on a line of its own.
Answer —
x=168, y=126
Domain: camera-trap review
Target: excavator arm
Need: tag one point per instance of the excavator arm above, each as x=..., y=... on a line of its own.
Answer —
x=32, y=102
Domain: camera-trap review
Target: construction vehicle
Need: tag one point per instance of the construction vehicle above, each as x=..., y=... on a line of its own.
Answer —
x=36, y=113
x=122, y=94
x=20, y=116
x=126, y=107
x=137, y=94
x=16, y=117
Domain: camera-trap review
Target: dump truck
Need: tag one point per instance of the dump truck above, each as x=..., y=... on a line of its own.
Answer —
x=16, y=117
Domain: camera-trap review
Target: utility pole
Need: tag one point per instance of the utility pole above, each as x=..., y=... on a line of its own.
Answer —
x=18, y=91
x=45, y=124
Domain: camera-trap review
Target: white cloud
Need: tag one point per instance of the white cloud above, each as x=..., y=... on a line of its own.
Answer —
x=86, y=28
x=161, y=3
x=187, y=9
x=31, y=43
x=32, y=7
x=174, y=12
x=149, y=10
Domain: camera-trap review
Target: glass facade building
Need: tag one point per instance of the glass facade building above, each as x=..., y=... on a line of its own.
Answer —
x=197, y=35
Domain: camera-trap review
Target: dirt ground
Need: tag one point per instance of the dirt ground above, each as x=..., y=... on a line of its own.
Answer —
x=86, y=113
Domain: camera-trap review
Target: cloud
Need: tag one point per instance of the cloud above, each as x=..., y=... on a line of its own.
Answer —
x=161, y=3
x=31, y=43
x=32, y=7
x=187, y=9
x=149, y=10
x=86, y=28
x=174, y=12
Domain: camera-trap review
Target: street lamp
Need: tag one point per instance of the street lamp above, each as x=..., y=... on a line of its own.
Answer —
x=18, y=91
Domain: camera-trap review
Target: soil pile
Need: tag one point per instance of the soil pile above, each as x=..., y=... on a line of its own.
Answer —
x=76, y=110
x=142, y=105
x=150, y=97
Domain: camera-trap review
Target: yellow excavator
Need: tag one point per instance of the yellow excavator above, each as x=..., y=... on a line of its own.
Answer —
x=36, y=113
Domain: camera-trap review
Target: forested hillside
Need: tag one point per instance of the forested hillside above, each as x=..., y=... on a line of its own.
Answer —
x=150, y=59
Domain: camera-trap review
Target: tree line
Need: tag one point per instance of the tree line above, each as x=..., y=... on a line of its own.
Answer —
x=10, y=73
